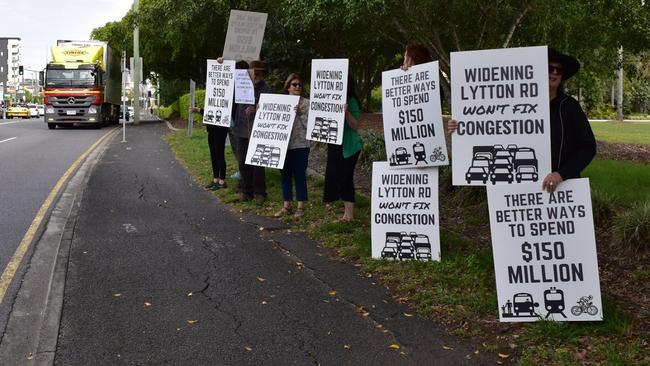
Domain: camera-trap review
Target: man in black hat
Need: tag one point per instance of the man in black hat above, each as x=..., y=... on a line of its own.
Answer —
x=573, y=145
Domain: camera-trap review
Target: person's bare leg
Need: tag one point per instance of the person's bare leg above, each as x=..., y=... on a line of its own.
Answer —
x=348, y=214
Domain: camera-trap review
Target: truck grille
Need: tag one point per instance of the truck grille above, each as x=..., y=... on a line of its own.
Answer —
x=71, y=101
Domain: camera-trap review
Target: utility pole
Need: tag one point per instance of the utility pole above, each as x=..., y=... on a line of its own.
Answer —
x=136, y=64
x=124, y=110
x=619, y=94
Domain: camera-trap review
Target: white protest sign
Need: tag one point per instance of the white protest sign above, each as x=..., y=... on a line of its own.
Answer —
x=327, y=99
x=500, y=100
x=244, y=88
x=544, y=250
x=405, y=213
x=219, y=88
x=245, y=35
x=413, y=128
x=272, y=130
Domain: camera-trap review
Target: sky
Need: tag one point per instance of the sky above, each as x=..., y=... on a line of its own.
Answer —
x=39, y=23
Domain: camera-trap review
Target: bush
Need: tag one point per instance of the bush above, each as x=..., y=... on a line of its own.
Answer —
x=169, y=111
x=632, y=227
x=603, y=206
x=374, y=149
x=184, y=104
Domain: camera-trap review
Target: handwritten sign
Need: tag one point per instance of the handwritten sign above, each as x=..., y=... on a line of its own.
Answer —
x=244, y=88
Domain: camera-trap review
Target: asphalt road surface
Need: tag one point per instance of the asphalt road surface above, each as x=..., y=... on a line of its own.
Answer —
x=161, y=273
x=32, y=160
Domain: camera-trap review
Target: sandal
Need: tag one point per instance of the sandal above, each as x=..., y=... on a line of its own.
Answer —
x=300, y=212
x=284, y=211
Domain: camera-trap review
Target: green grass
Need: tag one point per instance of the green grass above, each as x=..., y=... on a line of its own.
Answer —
x=625, y=132
x=624, y=181
x=460, y=290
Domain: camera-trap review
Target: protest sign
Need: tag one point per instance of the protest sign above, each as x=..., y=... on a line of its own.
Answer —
x=544, y=250
x=272, y=130
x=327, y=99
x=500, y=100
x=413, y=129
x=244, y=88
x=244, y=36
x=405, y=213
x=219, y=88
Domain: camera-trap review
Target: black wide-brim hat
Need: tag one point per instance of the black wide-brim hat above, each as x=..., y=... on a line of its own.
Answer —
x=569, y=64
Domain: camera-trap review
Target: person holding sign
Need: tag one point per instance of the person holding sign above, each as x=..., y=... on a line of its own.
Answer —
x=295, y=163
x=573, y=144
x=253, y=178
x=416, y=54
x=342, y=159
x=217, y=142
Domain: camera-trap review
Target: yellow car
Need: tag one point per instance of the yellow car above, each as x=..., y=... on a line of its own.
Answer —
x=18, y=111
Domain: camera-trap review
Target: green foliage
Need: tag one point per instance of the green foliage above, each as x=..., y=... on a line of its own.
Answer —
x=625, y=133
x=184, y=104
x=624, y=181
x=603, y=206
x=632, y=227
x=374, y=149
x=170, y=111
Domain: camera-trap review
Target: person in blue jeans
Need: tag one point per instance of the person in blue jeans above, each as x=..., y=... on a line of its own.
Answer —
x=295, y=163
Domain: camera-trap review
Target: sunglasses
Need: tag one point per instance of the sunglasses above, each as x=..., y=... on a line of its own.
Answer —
x=296, y=85
x=558, y=69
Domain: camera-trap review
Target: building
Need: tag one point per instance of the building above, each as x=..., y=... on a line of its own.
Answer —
x=9, y=63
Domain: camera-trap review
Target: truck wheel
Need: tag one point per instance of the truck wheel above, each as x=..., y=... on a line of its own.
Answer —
x=51, y=126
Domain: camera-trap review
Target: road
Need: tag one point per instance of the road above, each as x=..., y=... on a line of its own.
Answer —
x=32, y=159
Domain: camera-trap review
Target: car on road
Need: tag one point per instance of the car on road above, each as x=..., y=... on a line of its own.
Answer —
x=41, y=109
x=33, y=110
x=18, y=111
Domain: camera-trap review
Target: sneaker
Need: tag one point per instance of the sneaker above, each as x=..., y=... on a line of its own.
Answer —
x=236, y=175
x=300, y=212
x=220, y=185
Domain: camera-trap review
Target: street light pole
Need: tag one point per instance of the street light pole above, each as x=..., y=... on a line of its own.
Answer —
x=136, y=64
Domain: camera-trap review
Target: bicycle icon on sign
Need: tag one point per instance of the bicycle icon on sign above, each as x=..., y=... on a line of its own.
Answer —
x=585, y=306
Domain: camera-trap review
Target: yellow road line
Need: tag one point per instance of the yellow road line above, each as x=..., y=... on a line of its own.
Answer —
x=14, y=263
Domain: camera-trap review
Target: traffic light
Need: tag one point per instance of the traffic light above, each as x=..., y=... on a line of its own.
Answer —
x=20, y=70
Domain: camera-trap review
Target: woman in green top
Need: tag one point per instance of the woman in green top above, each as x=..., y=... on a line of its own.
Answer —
x=342, y=159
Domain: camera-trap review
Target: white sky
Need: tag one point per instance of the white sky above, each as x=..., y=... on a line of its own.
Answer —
x=39, y=23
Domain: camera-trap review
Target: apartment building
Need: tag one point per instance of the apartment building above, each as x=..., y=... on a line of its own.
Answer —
x=9, y=62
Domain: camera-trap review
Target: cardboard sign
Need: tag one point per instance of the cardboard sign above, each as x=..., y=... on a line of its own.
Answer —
x=272, y=130
x=219, y=88
x=500, y=100
x=405, y=213
x=244, y=36
x=244, y=88
x=545, y=252
x=413, y=128
x=327, y=99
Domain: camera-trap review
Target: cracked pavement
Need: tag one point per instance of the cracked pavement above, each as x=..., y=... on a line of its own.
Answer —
x=161, y=273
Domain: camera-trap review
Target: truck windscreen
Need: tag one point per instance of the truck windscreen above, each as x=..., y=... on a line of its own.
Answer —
x=70, y=78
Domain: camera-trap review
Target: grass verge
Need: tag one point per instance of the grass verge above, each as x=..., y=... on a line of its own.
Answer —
x=459, y=291
x=622, y=132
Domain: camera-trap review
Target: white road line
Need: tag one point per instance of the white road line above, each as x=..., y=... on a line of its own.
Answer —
x=10, y=123
x=13, y=138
